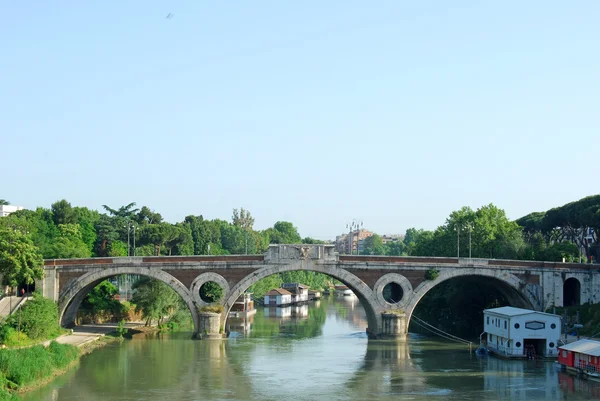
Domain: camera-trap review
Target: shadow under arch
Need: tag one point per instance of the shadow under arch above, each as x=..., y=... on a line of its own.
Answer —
x=509, y=286
x=71, y=297
x=358, y=287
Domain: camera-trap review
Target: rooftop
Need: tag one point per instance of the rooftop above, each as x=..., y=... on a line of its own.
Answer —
x=278, y=291
x=511, y=311
x=588, y=347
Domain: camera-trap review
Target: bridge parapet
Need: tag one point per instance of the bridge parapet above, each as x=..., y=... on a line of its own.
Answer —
x=473, y=262
x=279, y=253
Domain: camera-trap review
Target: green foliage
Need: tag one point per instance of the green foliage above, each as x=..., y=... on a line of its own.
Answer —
x=211, y=292
x=68, y=244
x=570, y=223
x=492, y=235
x=212, y=308
x=432, y=274
x=37, y=318
x=155, y=299
x=283, y=232
x=121, y=330
x=309, y=240
x=102, y=299
x=373, y=246
x=20, y=260
x=28, y=366
x=63, y=213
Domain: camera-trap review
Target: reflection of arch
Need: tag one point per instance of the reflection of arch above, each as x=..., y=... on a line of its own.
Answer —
x=509, y=287
x=72, y=296
x=571, y=292
x=360, y=289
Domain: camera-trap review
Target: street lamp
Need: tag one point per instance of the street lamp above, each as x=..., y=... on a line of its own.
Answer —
x=457, y=229
x=354, y=225
x=469, y=226
x=130, y=226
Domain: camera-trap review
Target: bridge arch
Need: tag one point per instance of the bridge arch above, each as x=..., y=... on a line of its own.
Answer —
x=572, y=292
x=360, y=289
x=510, y=286
x=71, y=297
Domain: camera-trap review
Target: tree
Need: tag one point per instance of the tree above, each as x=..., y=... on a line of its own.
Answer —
x=394, y=248
x=200, y=233
x=373, y=245
x=20, y=260
x=63, y=213
x=147, y=216
x=4, y=202
x=125, y=212
x=102, y=298
x=157, y=235
x=283, y=232
x=106, y=234
x=68, y=244
x=155, y=299
x=243, y=219
x=309, y=240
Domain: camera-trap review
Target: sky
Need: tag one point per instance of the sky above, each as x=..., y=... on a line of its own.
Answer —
x=393, y=112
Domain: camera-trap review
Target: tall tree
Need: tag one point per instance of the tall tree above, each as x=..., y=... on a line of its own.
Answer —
x=4, y=202
x=125, y=212
x=154, y=299
x=63, y=213
x=20, y=260
x=373, y=245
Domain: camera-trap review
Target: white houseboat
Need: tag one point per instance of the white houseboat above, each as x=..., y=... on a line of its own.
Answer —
x=299, y=292
x=278, y=297
x=520, y=333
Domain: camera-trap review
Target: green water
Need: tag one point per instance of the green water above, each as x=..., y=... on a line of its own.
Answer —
x=322, y=356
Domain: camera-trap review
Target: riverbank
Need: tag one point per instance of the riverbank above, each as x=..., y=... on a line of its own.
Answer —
x=27, y=368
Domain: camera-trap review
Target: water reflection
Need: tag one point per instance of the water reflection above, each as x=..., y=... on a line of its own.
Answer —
x=319, y=351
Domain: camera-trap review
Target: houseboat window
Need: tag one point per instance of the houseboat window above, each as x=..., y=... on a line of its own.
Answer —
x=505, y=325
x=518, y=344
x=552, y=326
x=564, y=354
x=517, y=325
x=551, y=345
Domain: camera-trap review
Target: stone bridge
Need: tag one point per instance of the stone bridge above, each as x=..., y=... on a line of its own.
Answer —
x=528, y=284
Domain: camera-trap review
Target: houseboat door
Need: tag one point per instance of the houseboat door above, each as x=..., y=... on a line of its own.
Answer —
x=534, y=347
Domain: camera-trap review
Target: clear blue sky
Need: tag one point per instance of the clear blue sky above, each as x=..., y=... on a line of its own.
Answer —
x=309, y=111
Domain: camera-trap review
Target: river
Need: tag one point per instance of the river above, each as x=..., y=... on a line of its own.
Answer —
x=318, y=352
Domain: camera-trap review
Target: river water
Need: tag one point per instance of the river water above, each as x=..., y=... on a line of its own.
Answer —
x=315, y=352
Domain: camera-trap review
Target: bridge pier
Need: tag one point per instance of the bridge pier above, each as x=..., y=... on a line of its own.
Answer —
x=394, y=325
x=209, y=326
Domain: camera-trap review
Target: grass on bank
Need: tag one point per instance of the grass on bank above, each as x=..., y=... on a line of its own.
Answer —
x=33, y=366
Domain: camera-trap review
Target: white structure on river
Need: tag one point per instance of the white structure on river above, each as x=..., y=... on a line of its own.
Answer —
x=521, y=333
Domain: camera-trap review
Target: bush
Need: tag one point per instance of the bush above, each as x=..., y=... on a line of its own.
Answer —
x=212, y=308
x=37, y=318
x=432, y=274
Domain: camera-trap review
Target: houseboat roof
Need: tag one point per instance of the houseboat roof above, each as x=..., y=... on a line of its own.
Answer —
x=292, y=285
x=278, y=291
x=511, y=311
x=588, y=347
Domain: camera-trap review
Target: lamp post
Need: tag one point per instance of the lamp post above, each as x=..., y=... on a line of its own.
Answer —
x=133, y=239
x=354, y=225
x=130, y=226
x=469, y=226
x=457, y=229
